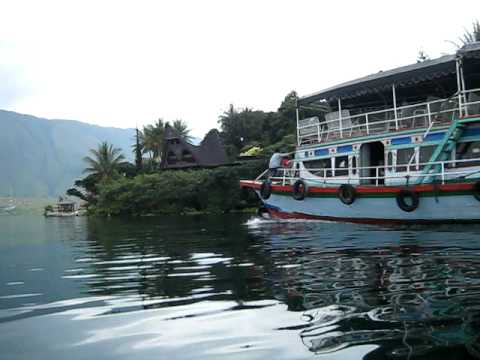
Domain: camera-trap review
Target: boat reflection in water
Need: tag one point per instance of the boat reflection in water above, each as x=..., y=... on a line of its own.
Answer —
x=409, y=292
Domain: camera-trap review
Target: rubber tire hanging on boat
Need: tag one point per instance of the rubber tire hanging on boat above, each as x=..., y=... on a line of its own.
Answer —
x=403, y=195
x=299, y=190
x=266, y=189
x=347, y=194
x=476, y=190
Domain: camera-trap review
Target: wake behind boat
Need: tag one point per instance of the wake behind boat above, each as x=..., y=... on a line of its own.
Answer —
x=401, y=145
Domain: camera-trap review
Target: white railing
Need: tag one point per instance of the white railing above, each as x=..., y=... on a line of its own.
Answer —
x=383, y=175
x=471, y=102
x=417, y=116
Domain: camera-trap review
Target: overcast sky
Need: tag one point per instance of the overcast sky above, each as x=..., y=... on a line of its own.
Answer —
x=122, y=63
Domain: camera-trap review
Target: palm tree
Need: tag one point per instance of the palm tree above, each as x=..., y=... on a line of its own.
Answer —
x=153, y=138
x=471, y=36
x=138, y=149
x=104, y=161
x=182, y=129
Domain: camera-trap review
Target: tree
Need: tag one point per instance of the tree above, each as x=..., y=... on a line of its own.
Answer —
x=289, y=105
x=241, y=127
x=86, y=188
x=104, y=162
x=471, y=36
x=182, y=129
x=153, y=139
x=138, y=150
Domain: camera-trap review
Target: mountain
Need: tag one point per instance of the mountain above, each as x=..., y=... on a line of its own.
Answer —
x=40, y=157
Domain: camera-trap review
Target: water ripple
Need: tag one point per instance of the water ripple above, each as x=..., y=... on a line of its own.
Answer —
x=243, y=288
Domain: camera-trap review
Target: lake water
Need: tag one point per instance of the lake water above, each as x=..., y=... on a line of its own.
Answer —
x=236, y=287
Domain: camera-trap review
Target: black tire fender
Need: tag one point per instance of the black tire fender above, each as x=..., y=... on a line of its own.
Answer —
x=299, y=190
x=410, y=206
x=266, y=189
x=347, y=194
x=476, y=190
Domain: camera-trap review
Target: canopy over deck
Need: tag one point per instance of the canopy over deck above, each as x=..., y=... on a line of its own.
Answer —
x=405, y=76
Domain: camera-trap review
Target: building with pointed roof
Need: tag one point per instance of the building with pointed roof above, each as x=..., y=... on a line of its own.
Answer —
x=180, y=154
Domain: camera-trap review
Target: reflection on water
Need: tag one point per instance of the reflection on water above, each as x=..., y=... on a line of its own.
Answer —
x=207, y=287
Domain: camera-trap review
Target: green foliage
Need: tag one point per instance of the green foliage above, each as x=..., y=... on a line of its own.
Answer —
x=138, y=151
x=153, y=138
x=241, y=127
x=150, y=141
x=207, y=190
x=105, y=161
x=127, y=169
x=88, y=183
x=182, y=129
x=244, y=128
x=77, y=193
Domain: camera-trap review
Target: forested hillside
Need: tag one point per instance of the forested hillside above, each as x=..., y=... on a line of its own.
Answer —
x=40, y=157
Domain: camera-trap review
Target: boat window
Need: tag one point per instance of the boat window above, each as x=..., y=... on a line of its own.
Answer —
x=426, y=153
x=467, y=150
x=390, y=161
x=341, y=166
x=354, y=165
x=319, y=167
x=403, y=158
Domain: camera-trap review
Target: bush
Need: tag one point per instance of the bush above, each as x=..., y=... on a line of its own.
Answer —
x=179, y=191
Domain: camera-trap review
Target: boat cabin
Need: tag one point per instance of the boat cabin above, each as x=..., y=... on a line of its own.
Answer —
x=387, y=127
x=65, y=207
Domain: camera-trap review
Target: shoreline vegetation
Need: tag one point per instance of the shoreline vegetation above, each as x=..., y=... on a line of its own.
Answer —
x=114, y=187
x=178, y=192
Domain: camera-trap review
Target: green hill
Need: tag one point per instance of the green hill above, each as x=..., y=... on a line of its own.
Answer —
x=40, y=157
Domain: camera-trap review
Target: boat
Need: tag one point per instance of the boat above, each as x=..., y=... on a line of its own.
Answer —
x=63, y=208
x=401, y=145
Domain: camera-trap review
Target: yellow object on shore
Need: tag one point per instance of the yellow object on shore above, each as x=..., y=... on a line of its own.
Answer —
x=253, y=151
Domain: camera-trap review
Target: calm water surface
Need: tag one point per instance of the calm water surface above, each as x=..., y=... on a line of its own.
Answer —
x=236, y=287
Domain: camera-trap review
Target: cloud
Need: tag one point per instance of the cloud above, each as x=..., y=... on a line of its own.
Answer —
x=12, y=87
x=122, y=63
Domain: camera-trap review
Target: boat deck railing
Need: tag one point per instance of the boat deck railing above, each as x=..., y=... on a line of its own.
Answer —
x=401, y=174
x=343, y=125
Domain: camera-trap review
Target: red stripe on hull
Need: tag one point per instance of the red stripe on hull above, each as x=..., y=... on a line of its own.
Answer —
x=300, y=216
x=362, y=189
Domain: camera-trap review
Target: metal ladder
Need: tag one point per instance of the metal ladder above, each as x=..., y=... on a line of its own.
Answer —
x=442, y=151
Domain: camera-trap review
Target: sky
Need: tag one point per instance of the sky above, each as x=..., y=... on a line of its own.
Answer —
x=127, y=63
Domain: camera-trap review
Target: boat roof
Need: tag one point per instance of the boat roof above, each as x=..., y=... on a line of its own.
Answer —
x=383, y=80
